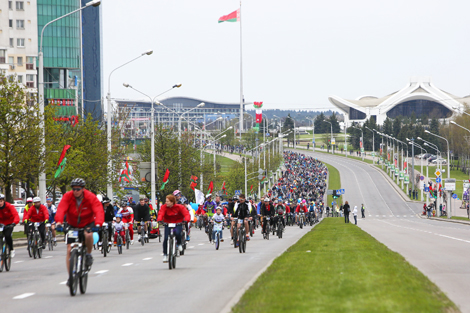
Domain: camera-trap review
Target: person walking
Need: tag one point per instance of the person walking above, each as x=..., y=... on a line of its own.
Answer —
x=363, y=209
x=346, y=210
x=355, y=214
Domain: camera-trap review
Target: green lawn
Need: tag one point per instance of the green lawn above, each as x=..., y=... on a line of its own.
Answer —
x=347, y=270
x=225, y=163
x=18, y=235
x=457, y=218
x=334, y=182
x=458, y=175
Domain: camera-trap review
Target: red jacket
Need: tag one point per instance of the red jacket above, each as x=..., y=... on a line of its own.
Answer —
x=37, y=215
x=9, y=215
x=287, y=209
x=303, y=208
x=176, y=214
x=91, y=210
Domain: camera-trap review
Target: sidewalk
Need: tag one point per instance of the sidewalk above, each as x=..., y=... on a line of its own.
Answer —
x=234, y=156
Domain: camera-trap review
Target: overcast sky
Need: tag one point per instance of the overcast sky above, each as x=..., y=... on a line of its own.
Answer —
x=295, y=53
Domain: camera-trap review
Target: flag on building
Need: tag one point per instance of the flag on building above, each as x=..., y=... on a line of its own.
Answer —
x=232, y=17
x=165, y=179
x=126, y=174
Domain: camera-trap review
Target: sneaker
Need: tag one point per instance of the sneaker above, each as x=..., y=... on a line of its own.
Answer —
x=247, y=238
x=115, y=243
x=12, y=253
x=67, y=283
x=139, y=238
x=188, y=238
x=221, y=239
x=89, y=260
x=165, y=259
x=237, y=243
x=146, y=236
x=212, y=242
x=231, y=242
x=132, y=241
x=110, y=243
x=180, y=248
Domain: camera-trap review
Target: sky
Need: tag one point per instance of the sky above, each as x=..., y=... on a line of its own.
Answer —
x=295, y=53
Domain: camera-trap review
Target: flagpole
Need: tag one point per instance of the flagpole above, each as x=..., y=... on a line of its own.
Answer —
x=241, y=75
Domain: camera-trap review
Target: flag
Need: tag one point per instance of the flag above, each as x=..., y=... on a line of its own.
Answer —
x=259, y=116
x=62, y=155
x=211, y=187
x=199, y=195
x=224, y=189
x=165, y=179
x=258, y=105
x=193, y=182
x=61, y=168
x=232, y=17
x=125, y=174
x=251, y=190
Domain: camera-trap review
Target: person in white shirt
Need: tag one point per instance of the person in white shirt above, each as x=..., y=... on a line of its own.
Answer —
x=218, y=219
x=355, y=214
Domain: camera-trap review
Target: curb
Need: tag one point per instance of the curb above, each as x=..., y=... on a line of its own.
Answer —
x=445, y=220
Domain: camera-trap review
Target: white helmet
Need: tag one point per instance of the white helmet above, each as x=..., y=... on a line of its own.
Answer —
x=29, y=200
x=36, y=199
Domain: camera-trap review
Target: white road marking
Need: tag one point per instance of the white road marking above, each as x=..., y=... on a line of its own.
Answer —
x=404, y=215
x=48, y=257
x=24, y=295
x=146, y=259
x=127, y=264
x=370, y=215
x=101, y=272
x=201, y=244
x=191, y=247
x=376, y=216
x=18, y=262
x=63, y=283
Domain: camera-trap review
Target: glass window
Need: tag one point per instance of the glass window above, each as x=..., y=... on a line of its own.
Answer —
x=2, y=53
x=420, y=107
x=20, y=42
x=29, y=78
x=20, y=79
x=10, y=23
x=11, y=60
x=30, y=60
x=10, y=5
x=19, y=5
x=11, y=43
x=20, y=24
x=20, y=61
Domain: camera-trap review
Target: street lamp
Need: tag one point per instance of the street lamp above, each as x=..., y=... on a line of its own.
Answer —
x=109, y=121
x=313, y=132
x=448, y=151
x=331, y=139
x=373, y=144
x=362, y=141
x=413, y=143
x=42, y=173
x=152, y=140
x=295, y=144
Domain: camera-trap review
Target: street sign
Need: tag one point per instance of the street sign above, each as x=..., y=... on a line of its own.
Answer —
x=340, y=192
x=333, y=141
x=373, y=154
x=449, y=180
x=454, y=196
x=392, y=167
x=362, y=150
x=426, y=189
x=407, y=179
x=260, y=176
x=313, y=141
x=329, y=192
x=401, y=175
x=421, y=178
x=238, y=192
x=260, y=171
x=381, y=159
x=438, y=179
x=450, y=186
x=437, y=173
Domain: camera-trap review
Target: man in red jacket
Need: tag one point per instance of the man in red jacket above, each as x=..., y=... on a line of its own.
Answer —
x=38, y=213
x=171, y=212
x=83, y=210
x=8, y=217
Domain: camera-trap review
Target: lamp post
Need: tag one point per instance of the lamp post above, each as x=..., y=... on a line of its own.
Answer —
x=295, y=144
x=373, y=144
x=331, y=138
x=413, y=143
x=42, y=173
x=109, y=121
x=448, y=151
x=152, y=140
x=313, y=132
x=362, y=141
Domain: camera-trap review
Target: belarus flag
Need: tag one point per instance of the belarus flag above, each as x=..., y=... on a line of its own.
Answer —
x=259, y=116
x=232, y=17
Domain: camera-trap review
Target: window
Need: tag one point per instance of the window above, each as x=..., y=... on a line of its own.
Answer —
x=20, y=79
x=20, y=61
x=11, y=60
x=19, y=24
x=11, y=43
x=20, y=42
x=10, y=23
x=19, y=5
x=30, y=77
x=2, y=56
x=29, y=63
x=10, y=5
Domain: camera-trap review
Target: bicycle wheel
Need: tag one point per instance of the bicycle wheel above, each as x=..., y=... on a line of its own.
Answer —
x=170, y=253
x=7, y=257
x=104, y=245
x=217, y=241
x=244, y=244
x=30, y=250
x=235, y=237
x=128, y=239
x=267, y=231
x=40, y=248
x=83, y=274
x=183, y=242
x=35, y=246
x=241, y=236
x=119, y=244
x=142, y=234
x=301, y=223
x=2, y=254
x=73, y=272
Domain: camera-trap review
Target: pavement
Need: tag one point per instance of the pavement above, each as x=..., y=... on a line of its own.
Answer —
x=438, y=249
x=204, y=279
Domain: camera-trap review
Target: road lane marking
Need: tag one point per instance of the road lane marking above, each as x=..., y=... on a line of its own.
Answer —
x=101, y=272
x=146, y=259
x=19, y=262
x=191, y=247
x=24, y=295
x=127, y=264
x=48, y=257
x=201, y=244
x=63, y=283
x=404, y=215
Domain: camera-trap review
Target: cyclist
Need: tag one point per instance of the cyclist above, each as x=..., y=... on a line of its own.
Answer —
x=29, y=203
x=180, y=199
x=52, y=210
x=302, y=207
x=8, y=216
x=108, y=218
x=119, y=229
x=218, y=218
x=142, y=211
x=128, y=217
x=242, y=213
x=279, y=211
x=171, y=212
x=209, y=209
x=38, y=214
x=231, y=210
x=266, y=210
x=83, y=210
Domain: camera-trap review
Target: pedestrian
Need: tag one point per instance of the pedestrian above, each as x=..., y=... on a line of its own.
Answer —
x=341, y=210
x=346, y=210
x=409, y=193
x=363, y=209
x=355, y=214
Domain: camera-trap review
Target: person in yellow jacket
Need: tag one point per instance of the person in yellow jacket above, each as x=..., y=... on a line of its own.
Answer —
x=29, y=203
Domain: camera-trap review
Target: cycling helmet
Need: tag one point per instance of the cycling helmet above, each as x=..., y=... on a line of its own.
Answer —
x=176, y=192
x=119, y=215
x=209, y=195
x=2, y=196
x=106, y=200
x=29, y=200
x=235, y=198
x=36, y=199
x=49, y=199
x=266, y=199
x=218, y=208
x=298, y=201
x=77, y=182
x=303, y=201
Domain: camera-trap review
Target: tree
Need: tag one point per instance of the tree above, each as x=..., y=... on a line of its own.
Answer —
x=20, y=144
x=320, y=126
x=396, y=126
x=288, y=125
x=388, y=126
x=334, y=121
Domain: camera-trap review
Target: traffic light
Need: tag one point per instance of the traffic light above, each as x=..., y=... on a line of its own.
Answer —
x=335, y=195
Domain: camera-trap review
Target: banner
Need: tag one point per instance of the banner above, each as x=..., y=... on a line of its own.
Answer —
x=199, y=195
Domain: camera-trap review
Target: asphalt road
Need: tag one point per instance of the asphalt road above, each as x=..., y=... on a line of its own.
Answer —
x=204, y=279
x=440, y=250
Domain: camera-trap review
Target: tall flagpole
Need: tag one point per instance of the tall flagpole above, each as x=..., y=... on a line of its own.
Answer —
x=241, y=74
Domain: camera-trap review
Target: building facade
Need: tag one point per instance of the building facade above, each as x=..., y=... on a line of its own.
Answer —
x=419, y=97
x=19, y=42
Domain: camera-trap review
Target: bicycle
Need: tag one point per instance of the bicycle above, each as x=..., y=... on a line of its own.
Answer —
x=280, y=227
x=105, y=246
x=209, y=230
x=218, y=229
x=199, y=222
x=183, y=240
x=241, y=236
x=235, y=236
x=36, y=242
x=267, y=220
x=142, y=232
x=128, y=236
x=78, y=273
x=5, y=255
x=50, y=242
x=119, y=242
x=171, y=246
x=301, y=219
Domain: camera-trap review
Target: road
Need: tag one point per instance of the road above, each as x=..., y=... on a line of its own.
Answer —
x=204, y=279
x=440, y=250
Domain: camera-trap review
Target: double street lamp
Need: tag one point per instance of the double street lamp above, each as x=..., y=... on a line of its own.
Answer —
x=42, y=173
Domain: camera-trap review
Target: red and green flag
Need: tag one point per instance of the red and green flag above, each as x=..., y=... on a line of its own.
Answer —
x=165, y=179
x=232, y=17
x=62, y=161
x=251, y=190
x=193, y=182
x=125, y=174
x=211, y=187
x=259, y=114
x=224, y=189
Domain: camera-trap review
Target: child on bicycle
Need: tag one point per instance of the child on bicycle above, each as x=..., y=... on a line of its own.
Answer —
x=218, y=220
x=119, y=229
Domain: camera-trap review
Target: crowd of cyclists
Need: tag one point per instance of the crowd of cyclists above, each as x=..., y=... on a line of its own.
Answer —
x=296, y=198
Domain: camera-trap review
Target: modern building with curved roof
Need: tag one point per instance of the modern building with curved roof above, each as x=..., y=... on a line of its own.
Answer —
x=419, y=96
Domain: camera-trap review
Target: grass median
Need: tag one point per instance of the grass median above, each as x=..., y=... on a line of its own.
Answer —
x=334, y=182
x=340, y=268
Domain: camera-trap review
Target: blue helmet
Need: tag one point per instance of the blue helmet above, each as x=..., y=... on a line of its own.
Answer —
x=119, y=215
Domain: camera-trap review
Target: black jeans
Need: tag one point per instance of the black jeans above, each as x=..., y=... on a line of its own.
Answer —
x=355, y=219
x=178, y=231
x=7, y=233
x=362, y=211
x=346, y=218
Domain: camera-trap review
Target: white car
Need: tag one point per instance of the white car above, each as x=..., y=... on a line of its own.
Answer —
x=20, y=211
x=439, y=161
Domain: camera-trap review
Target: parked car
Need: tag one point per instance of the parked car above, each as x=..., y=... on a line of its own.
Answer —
x=20, y=211
x=432, y=158
x=439, y=161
